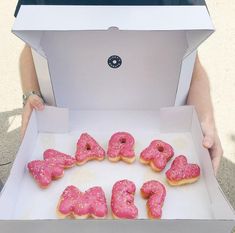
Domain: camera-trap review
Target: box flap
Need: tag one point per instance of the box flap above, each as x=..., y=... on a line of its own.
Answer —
x=48, y=120
x=194, y=19
x=78, y=42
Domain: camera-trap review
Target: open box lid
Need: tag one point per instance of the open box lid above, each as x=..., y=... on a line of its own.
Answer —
x=154, y=48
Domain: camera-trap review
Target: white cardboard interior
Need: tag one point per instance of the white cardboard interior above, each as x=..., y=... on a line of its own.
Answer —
x=148, y=39
x=179, y=127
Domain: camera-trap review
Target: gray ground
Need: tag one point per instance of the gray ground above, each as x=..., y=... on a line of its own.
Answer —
x=217, y=54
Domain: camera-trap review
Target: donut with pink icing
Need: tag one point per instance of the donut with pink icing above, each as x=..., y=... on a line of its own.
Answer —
x=80, y=205
x=51, y=168
x=56, y=157
x=121, y=147
x=157, y=154
x=88, y=149
x=155, y=192
x=122, y=200
x=181, y=172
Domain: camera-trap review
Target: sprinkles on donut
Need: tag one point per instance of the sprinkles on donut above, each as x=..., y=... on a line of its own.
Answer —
x=157, y=154
x=181, y=172
x=51, y=168
x=122, y=200
x=121, y=147
x=88, y=149
x=155, y=192
x=80, y=205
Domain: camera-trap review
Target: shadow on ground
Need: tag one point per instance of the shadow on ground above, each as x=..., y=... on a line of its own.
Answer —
x=9, y=139
x=226, y=179
x=226, y=175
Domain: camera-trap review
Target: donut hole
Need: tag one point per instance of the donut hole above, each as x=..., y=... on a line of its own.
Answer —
x=123, y=140
x=88, y=147
x=160, y=148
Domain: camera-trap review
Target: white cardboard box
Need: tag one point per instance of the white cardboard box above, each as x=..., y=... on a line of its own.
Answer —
x=157, y=47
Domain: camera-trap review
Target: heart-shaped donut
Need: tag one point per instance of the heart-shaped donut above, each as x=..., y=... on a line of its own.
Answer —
x=88, y=149
x=157, y=154
x=155, y=192
x=122, y=200
x=121, y=147
x=51, y=168
x=75, y=204
x=181, y=172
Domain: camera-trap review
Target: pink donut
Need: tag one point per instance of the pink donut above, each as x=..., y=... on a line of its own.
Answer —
x=122, y=200
x=43, y=172
x=56, y=157
x=181, y=172
x=51, y=168
x=88, y=149
x=155, y=192
x=157, y=154
x=76, y=204
x=121, y=147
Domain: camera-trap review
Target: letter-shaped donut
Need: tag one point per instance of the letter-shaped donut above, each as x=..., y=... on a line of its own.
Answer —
x=121, y=147
x=51, y=168
x=56, y=157
x=75, y=204
x=157, y=154
x=122, y=200
x=88, y=149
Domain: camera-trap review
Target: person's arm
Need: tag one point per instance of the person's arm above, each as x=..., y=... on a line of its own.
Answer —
x=29, y=83
x=199, y=96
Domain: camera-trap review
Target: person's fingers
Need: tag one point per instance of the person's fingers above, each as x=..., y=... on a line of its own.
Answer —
x=208, y=141
x=216, y=153
x=27, y=110
x=33, y=102
x=208, y=132
x=38, y=105
x=36, y=102
x=215, y=164
x=212, y=142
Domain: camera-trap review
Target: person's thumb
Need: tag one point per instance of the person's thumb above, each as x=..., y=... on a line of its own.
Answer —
x=208, y=141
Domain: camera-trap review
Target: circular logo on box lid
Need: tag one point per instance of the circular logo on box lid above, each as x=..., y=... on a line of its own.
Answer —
x=114, y=61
